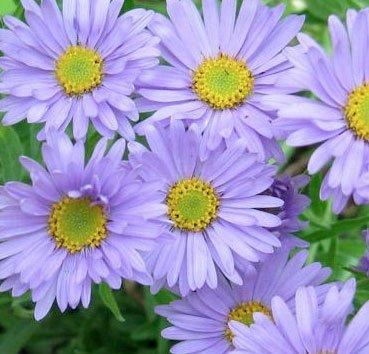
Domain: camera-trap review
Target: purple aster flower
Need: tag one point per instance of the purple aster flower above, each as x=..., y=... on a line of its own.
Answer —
x=221, y=65
x=216, y=212
x=364, y=262
x=79, y=65
x=314, y=328
x=201, y=320
x=288, y=189
x=337, y=119
x=75, y=225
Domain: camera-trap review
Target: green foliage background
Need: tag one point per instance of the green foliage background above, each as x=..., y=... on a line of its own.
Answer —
x=124, y=321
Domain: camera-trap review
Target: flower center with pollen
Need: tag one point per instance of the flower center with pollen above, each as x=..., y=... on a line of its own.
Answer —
x=357, y=112
x=77, y=223
x=192, y=204
x=79, y=70
x=244, y=313
x=223, y=82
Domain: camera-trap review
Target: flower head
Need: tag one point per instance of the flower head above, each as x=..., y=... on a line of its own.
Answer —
x=75, y=225
x=201, y=321
x=220, y=65
x=315, y=328
x=288, y=189
x=337, y=120
x=79, y=65
x=217, y=209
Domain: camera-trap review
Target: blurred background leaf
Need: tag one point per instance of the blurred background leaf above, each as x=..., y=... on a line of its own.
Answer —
x=7, y=7
x=99, y=330
x=12, y=148
x=322, y=9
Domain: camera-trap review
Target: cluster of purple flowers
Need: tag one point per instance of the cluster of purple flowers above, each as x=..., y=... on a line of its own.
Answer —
x=199, y=208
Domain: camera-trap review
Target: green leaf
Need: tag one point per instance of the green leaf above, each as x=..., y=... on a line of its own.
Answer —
x=151, y=301
x=319, y=213
x=107, y=296
x=158, y=6
x=128, y=5
x=359, y=4
x=330, y=256
x=317, y=205
x=150, y=304
x=163, y=345
x=11, y=149
x=15, y=338
x=322, y=9
x=7, y=7
x=143, y=333
x=337, y=228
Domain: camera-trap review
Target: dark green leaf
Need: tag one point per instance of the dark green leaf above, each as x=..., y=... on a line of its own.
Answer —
x=11, y=149
x=144, y=333
x=321, y=9
x=14, y=339
x=163, y=345
x=317, y=205
x=128, y=5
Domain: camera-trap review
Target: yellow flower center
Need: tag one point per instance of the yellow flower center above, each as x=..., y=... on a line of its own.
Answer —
x=357, y=111
x=192, y=204
x=77, y=223
x=79, y=70
x=244, y=313
x=223, y=82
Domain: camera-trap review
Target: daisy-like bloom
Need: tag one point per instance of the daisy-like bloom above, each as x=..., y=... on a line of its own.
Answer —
x=338, y=118
x=79, y=65
x=317, y=329
x=217, y=211
x=220, y=65
x=201, y=320
x=75, y=225
x=288, y=189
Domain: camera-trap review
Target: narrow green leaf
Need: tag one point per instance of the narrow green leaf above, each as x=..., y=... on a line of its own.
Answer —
x=11, y=149
x=317, y=205
x=331, y=255
x=107, y=296
x=359, y=4
x=163, y=345
x=357, y=273
x=150, y=304
x=337, y=229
